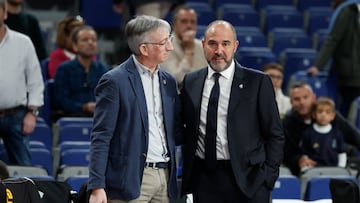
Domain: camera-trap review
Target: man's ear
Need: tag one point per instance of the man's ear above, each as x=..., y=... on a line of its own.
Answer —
x=144, y=50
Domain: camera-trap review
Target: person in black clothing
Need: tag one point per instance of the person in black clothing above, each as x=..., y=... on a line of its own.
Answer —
x=23, y=22
x=321, y=141
x=302, y=99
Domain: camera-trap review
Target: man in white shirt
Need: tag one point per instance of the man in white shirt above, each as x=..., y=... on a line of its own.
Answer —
x=21, y=91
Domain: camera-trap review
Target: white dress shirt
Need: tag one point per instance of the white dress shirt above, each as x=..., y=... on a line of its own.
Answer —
x=157, y=149
x=225, y=82
x=21, y=82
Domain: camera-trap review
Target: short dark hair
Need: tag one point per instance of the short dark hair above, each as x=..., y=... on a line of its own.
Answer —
x=325, y=101
x=75, y=32
x=273, y=65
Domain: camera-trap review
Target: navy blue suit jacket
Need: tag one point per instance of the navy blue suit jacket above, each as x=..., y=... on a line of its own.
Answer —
x=119, y=139
x=254, y=131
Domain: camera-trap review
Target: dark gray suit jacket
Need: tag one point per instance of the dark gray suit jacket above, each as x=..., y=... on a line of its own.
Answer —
x=254, y=131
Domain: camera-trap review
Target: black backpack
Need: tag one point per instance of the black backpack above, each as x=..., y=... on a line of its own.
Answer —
x=344, y=191
x=26, y=190
x=21, y=190
x=53, y=191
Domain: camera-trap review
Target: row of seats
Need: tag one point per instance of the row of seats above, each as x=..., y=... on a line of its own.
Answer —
x=68, y=145
x=37, y=172
x=310, y=186
x=270, y=17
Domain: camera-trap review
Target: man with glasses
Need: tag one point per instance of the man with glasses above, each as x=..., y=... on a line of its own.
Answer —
x=276, y=73
x=136, y=119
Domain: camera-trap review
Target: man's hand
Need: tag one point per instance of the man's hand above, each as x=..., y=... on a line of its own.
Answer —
x=89, y=107
x=29, y=123
x=313, y=70
x=98, y=196
x=187, y=40
x=305, y=161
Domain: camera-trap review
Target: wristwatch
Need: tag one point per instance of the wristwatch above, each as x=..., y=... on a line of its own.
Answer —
x=35, y=112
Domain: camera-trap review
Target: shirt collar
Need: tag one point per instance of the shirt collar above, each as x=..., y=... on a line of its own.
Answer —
x=143, y=69
x=227, y=73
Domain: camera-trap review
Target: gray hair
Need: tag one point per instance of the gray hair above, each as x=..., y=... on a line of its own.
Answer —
x=137, y=30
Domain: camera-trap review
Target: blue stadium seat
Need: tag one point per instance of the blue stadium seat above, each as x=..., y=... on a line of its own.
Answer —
x=37, y=145
x=44, y=68
x=260, y=4
x=46, y=109
x=282, y=38
x=251, y=37
x=100, y=14
x=43, y=134
x=319, y=37
x=282, y=17
x=255, y=57
x=239, y=14
x=77, y=181
x=67, y=145
x=42, y=157
x=287, y=187
x=200, y=31
x=75, y=132
x=318, y=187
x=354, y=113
x=317, y=18
x=74, y=157
x=204, y=12
x=219, y=3
x=295, y=59
x=61, y=122
x=306, y=4
x=321, y=83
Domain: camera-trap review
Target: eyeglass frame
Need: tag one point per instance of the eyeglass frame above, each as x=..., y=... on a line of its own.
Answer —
x=167, y=41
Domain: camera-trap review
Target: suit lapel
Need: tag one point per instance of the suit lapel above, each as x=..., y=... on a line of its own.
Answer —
x=197, y=89
x=237, y=88
x=136, y=84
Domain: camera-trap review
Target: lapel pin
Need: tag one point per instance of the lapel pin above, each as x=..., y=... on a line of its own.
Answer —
x=164, y=81
x=241, y=86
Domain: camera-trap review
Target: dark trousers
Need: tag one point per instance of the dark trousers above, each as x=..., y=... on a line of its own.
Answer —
x=219, y=186
x=346, y=96
x=16, y=143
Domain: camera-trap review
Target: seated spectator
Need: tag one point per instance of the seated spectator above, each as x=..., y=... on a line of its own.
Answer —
x=76, y=79
x=23, y=22
x=322, y=142
x=188, y=53
x=276, y=73
x=64, y=50
x=296, y=120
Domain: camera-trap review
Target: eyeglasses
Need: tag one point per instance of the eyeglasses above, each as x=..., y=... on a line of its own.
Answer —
x=166, y=41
